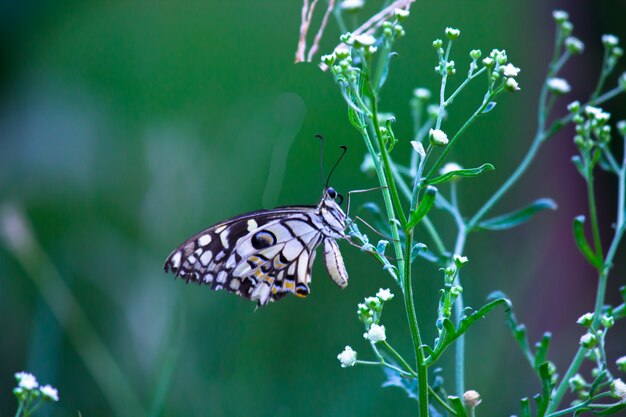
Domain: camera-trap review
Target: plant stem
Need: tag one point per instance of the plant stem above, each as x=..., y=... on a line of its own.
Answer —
x=407, y=290
x=459, y=306
x=442, y=402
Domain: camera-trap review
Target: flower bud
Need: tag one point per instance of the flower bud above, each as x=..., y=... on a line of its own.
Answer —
x=574, y=106
x=352, y=6
x=347, y=358
x=574, y=45
x=511, y=85
x=621, y=126
x=471, y=398
x=621, y=363
x=437, y=137
x=452, y=33
x=588, y=340
x=401, y=14
x=475, y=54
x=558, y=86
x=610, y=41
x=586, y=319
x=607, y=321
x=437, y=43
x=560, y=16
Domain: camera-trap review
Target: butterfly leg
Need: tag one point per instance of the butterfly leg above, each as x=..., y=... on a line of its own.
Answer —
x=360, y=191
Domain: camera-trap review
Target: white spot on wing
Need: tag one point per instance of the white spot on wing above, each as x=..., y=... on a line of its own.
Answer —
x=176, y=259
x=204, y=240
x=252, y=225
x=221, y=277
x=206, y=257
x=224, y=238
x=219, y=229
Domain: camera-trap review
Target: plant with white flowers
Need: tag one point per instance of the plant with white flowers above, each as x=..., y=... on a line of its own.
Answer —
x=30, y=395
x=360, y=65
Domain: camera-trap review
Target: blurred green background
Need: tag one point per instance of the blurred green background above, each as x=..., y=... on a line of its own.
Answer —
x=127, y=126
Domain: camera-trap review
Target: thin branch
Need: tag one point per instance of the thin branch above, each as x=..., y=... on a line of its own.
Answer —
x=306, y=15
x=320, y=32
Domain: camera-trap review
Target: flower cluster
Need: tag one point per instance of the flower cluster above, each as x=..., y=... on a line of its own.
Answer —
x=370, y=310
x=30, y=394
x=592, y=127
x=498, y=68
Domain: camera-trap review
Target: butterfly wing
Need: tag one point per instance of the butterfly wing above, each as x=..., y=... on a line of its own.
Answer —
x=261, y=256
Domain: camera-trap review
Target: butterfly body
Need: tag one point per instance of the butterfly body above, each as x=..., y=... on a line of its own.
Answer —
x=266, y=254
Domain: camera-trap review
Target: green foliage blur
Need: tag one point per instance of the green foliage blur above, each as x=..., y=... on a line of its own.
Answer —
x=125, y=127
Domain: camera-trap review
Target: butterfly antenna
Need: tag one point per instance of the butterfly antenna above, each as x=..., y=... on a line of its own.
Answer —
x=321, y=138
x=345, y=149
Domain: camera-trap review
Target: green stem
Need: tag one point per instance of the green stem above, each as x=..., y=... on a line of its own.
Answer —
x=386, y=365
x=441, y=402
x=19, y=409
x=407, y=290
x=459, y=306
x=449, y=146
x=398, y=357
x=593, y=214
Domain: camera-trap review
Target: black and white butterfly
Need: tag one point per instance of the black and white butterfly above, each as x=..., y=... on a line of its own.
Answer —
x=266, y=254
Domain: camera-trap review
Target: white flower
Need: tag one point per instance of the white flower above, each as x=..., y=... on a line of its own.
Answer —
x=610, y=40
x=588, y=340
x=375, y=334
x=510, y=70
x=352, y=5
x=511, y=85
x=488, y=62
x=384, y=295
x=585, y=320
x=597, y=113
x=401, y=14
x=558, y=85
x=450, y=167
x=422, y=93
x=347, y=357
x=574, y=106
x=438, y=137
x=471, y=398
x=452, y=33
x=560, y=15
x=365, y=40
x=26, y=381
x=619, y=389
x=460, y=260
x=49, y=393
x=574, y=45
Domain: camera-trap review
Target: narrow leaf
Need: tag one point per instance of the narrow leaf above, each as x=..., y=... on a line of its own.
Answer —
x=457, y=405
x=423, y=208
x=515, y=218
x=469, y=172
x=581, y=242
x=382, y=245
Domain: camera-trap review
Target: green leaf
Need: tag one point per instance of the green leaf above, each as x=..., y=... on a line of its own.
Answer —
x=541, y=352
x=469, y=172
x=423, y=208
x=515, y=218
x=578, y=163
x=583, y=246
x=546, y=384
x=613, y=409
x=457, y=405
x=380, y=248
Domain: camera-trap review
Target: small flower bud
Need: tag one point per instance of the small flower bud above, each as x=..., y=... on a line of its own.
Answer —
x=509, y=70
x=619, y=389
x=471, y=398
x=387, y=32
x=607, y=321
x=422, y=93
x=450, y=68
x=399, y=30
x=488, y=62
x=452, y=33
x=364, y=40
x=475, y=54
x=384, y=295
x=26, y=381
x=460, y=260
x=456, y=290
x=567, y=28
x=437, y=137
x=347, y=358
x=437, y=43
x=433, y=111
x=621, y=363
x=49, y=393
x=375, y=334
x=401, y=14
x=579, y=141
x=574, y=107
x=500, y=56
x=586, y=319
x=352, y=6
x=588, y=340
x=511, y=85
x=577, y=382
x=328, y=59
x=574, y=45
x=342, y=52
x=621, y=126
x=560, y=16
x=610, y=41
x=617, y=52
x=558, y=86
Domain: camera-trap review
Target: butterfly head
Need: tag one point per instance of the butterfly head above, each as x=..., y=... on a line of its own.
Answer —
x=332, y=215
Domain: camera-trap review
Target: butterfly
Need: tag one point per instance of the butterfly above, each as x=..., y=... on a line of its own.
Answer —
x=266, y=254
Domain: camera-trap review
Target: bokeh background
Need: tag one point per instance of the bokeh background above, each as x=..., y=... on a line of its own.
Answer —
x=127, y=126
